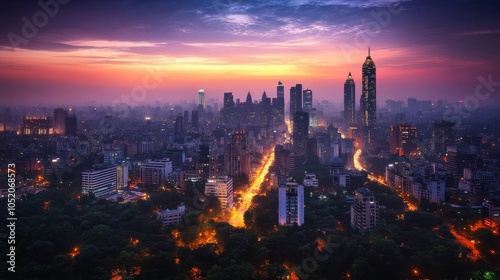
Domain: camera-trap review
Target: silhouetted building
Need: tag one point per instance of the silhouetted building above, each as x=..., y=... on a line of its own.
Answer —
x=300, y=133
x=280, y=102
x=349, y=100
x=402, y=139
x=70, y=125
x=37, y=126
x=368, y=102
x=460, y=157
x=442, y=136
x=237, y=155
x=60, y=121
x=179, y=125
x=284, y=159
x=293, y=107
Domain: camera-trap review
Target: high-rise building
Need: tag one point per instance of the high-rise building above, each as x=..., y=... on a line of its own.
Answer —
x=70, y=125
x=155, y=172
x=307, y=100
x=291, y=204
x=280, y=102
x=364, y=210
x=201, y=98
x=349, y=100
x=442, y=136
x=460, y=157
x=237, y=155
x=222, y=189
x=402, y=139
x=284, y=159
x=300, y=133
x=293, y=107
x=100, y=182
x=122, y=175
x=179, y=125
x=298, y=98
x=60, y=121
x=368, y=102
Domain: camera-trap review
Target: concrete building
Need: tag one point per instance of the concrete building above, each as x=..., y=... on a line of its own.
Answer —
x=100, y=182
x=364, y=210
x=291, y=204
x=155, y=172
x=171, y=216
x=222, y=189
x=310, y=180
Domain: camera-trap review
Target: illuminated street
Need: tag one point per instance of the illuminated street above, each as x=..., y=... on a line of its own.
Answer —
x=380, y=180
x=236, y=218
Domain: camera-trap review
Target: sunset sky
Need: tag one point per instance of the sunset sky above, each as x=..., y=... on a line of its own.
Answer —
x=100, y=50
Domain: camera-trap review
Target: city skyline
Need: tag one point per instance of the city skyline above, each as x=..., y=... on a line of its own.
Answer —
x=80, y=55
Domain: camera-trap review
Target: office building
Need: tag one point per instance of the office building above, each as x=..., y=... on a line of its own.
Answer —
x=364, y=210
x=280, y=102
x=100, y=182
x=291, y=204
x=300, y=133
x=402, y=139
x=442, y=136
x=222, y=189
x=368, y=101
x=237, y=155
x=307, y=100
x=201, y=98
x=155, y=172
x=349, y=100
x=60, y=121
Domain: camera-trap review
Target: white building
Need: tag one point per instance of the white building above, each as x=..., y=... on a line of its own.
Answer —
x=310, y=180
x=171, y=216
x=291, y=204
x=155, y=172
x=364, y=210
x=222, y=189
x=100, y=182
x=430, y=190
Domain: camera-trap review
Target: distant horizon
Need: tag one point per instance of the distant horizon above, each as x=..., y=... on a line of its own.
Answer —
x=102, y=51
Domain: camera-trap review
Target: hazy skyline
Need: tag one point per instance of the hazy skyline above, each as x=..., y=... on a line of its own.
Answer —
x=100, y=51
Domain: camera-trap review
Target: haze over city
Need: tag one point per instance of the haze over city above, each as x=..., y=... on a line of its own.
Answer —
x=94, y=50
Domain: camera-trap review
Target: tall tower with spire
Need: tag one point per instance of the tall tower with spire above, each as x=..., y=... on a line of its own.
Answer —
x=349, y=100
x=368, y=100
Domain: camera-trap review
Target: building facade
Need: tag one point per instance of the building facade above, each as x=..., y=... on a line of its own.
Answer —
x=291, y=204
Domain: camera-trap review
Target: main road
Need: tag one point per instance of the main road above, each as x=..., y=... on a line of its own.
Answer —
x=239, y=209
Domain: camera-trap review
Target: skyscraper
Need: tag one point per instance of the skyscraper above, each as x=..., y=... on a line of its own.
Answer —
x=280, y=102
x=237, y=155
x=300, y=133
x=364, y=210
x=298, y=98
x=293, y=108
x=307, y=100
x=349, y=100
x=368, y=102
x=291, y=204
x=60, y=121
x=201, y=98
